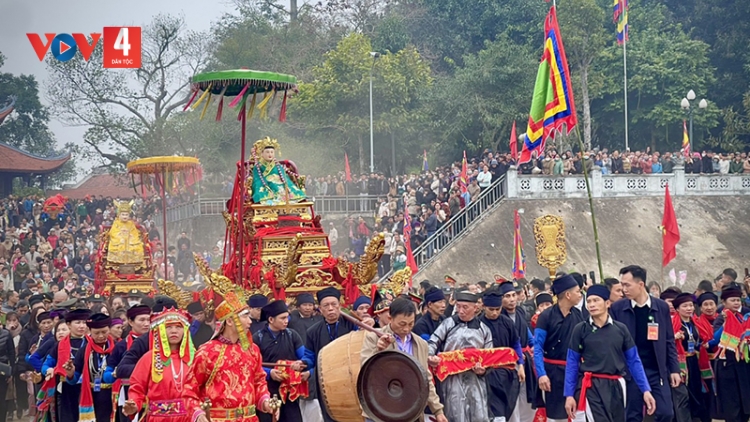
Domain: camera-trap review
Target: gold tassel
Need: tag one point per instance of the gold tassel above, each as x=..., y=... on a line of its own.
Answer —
x=202, y=97
x=244, y=341
x=185, y=341
x=205, y=107
x=264, y=104
x=164, y=340
x=252, y=107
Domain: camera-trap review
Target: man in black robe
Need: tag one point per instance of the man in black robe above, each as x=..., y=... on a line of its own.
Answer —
x=255, y=303
x=200, y=332
x=599, y=351
x=551, y=338
x=502, y=383
x=324, y=332
x=528, y=389
x=277, y=342
x=434, y=300
x=304, y=316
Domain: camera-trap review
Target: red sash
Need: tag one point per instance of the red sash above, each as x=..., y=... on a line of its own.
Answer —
x=586, y=384
x=458, y=361
x=555, y=362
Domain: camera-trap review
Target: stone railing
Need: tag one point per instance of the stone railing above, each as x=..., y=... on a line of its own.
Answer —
x=521, y=186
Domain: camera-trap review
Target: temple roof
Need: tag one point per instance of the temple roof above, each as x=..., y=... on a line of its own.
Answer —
x=7, y=108
x=104, y=184
x=14, y=160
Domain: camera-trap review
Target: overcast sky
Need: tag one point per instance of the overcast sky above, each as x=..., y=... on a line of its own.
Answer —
x=18, y=17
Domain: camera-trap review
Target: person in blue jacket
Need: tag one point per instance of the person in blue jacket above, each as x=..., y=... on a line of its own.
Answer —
x=650, y=324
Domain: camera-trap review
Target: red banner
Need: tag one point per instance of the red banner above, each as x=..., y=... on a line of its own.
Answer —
x=458, y=361
x=292, y=386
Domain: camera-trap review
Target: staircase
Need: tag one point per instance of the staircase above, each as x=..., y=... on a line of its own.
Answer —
x=458, y=226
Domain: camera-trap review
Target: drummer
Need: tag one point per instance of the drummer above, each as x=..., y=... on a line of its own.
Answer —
x=398, y=336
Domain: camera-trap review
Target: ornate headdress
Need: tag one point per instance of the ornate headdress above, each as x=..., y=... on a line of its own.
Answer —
x=264, y=143
x=229, y=311
x=162, y=352
x=124, y=207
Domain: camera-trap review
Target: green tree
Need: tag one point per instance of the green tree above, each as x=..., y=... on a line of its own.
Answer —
x=584, y=37
x=126, y=111
x=476, y=107
x=335, y=104
x=26, y=128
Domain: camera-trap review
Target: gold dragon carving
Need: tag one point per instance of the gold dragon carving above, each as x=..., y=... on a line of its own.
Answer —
x=169, y=288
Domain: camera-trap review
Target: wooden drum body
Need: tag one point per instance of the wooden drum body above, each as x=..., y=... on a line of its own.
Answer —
x=338, y=369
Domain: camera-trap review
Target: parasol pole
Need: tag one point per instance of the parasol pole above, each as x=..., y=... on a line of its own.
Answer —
x=241, y=217
x=164, y=219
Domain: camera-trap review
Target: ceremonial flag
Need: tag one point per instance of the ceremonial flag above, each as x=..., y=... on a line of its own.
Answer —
x=552, y=104
x=514, y=143
x=685, y=140
x=670, y=230
x=519, y=260
x=347, y=170
x=464, y=178
x=622, y=24
x=425, y=166
x=617, y=10
x=410, y=261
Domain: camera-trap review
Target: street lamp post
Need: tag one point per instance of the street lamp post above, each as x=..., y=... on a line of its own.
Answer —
x=375, y=55
x=685, y=104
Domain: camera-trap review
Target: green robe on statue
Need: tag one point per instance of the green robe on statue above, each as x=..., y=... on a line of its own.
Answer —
x=272, y=185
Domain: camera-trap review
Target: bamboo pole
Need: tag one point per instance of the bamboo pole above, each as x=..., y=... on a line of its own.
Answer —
x=591, y=206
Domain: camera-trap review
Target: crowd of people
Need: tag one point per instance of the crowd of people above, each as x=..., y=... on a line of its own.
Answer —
x=566, y=347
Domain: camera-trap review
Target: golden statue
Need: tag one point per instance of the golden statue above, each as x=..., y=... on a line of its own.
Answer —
x=273, y=182
x=125, y=238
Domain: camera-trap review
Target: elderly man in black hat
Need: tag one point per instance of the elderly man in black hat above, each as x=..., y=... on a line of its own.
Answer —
x=551, y=338
x=329, y=329
x=95, y=403
x=256, y=303
x=139, y=320
x=304, y=317
x=278, y=343
x=599, y=351
x=502, y=383
x=465, y=394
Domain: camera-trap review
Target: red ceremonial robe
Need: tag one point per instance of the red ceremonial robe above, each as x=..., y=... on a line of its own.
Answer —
x=164, y=399
x=231, y=378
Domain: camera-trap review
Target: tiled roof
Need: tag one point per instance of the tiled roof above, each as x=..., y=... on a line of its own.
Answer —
x=106, y=185
x=14, y=160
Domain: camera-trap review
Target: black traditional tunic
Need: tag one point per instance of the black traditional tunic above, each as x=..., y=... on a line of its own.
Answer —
x=602, y=351
x=521, y=323
x=97, y=364
x=732, y=381
x=551, y=340
x=502, y=383
x=67, y=400
x=699, y=392
x=257, y=326
x=425, y=326
x=283, y=345
x=318, y=336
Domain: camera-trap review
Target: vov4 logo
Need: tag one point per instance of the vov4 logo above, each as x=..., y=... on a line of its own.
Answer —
x=122, y=46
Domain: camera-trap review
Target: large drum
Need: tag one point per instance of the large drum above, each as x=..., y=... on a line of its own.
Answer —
x=338, y=368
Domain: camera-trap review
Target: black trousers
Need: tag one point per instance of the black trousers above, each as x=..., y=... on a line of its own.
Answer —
x=3, y=403
x=733, y=391
x=103, y=405
x=67, y=402
x=662, y=393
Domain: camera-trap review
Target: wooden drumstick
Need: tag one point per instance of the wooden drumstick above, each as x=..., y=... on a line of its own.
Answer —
x=362, y=325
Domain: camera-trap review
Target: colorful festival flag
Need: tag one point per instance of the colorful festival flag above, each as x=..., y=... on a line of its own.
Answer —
x=552, y=105
x=617, y=11
x=685, y=140
x=514, y=143
x=670, y=230
x=463, y=182
x=519, y=259
x=425, y=166
x=622, y=24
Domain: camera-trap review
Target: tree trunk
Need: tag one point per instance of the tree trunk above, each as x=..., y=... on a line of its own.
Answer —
x=361, y=154
x=586, y=107
x=293, y=11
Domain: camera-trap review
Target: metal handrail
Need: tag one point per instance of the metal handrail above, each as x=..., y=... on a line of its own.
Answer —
x=458, y=226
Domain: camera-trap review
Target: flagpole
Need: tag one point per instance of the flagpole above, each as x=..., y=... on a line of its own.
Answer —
x=625, y=81
x=591, y=208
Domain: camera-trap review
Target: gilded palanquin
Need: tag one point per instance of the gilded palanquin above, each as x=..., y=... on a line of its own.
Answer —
x=284, y=250
x=123, y=259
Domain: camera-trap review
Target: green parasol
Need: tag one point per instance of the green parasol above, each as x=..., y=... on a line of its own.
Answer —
x=242, y=84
